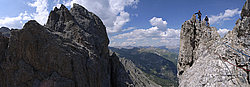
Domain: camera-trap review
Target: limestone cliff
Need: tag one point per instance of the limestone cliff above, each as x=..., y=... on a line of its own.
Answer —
x=205, y=59
x=71, y=50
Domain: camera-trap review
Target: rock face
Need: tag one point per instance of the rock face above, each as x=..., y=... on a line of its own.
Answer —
x=5, y=31
x=192, y=35
x=245, y=12
x=205, y=59
x=71, y=50
x=3, y=46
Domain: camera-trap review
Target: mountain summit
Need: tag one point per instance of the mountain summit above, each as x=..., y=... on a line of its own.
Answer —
x=205, y=59
x=71, y=50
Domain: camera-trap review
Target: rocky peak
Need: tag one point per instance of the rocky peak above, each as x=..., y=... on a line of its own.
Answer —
x=71, y=50
x=57, y=18
x=89, y=22
x=193, y=33
x=205, y=59
x=246, y=9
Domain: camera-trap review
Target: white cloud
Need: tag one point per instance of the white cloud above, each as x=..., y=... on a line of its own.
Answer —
x=110, y=11
x=42, y=13
x=12, y=22
x=15, y=22
x=153, y=36
x=126, y=43
x=222, y=32
x=139, y=34
x=171, y=33
x=122, y=19
x=67, y=3
x=227, y=15
x=158, y=22
x=129, y=28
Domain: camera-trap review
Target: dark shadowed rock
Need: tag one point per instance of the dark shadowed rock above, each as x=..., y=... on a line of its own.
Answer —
x=3, y=46
x=245, y=12
x=71, y=50
x=5, y=31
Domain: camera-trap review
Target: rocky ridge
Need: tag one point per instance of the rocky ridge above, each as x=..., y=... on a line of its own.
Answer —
x=205, y=59
x=70, y=50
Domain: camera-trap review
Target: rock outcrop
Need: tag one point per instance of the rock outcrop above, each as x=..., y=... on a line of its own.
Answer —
x=5, y=31
x=205, y=59
x=71, y=50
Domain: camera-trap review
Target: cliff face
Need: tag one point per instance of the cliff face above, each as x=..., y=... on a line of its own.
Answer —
x=71, y=50
x=205, y=59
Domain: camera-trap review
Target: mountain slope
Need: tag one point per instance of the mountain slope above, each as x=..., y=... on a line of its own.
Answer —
x=169, y=55
x=159, y=69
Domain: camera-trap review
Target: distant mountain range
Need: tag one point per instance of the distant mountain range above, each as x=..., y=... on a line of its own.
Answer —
x=170, y=49
x=158, y=63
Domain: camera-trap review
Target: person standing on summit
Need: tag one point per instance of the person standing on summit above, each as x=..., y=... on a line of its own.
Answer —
x=199, y=15
x=206, y=19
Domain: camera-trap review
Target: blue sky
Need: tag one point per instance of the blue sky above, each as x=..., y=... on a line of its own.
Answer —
x=131, y=22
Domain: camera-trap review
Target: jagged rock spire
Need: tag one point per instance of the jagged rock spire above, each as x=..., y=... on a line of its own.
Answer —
x=205, y=59
x=247, y=4
x=245, y=10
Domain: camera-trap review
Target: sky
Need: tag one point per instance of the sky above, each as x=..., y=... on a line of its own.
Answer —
x=131, y=22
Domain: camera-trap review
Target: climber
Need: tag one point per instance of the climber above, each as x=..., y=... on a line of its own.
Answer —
x=206, y=19
x=199, y=15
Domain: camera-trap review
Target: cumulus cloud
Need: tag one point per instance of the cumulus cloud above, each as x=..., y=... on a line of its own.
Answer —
x=67, y=3
x=158, y=22
x=14, y=22
x=111, y=12
x=122, y=19
x=139, y=34
x=157, y=35
x=129, y=28
x=227, y=15
x=126, y=43
x=41, y=14
x=171, y=33
x=223, y=32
